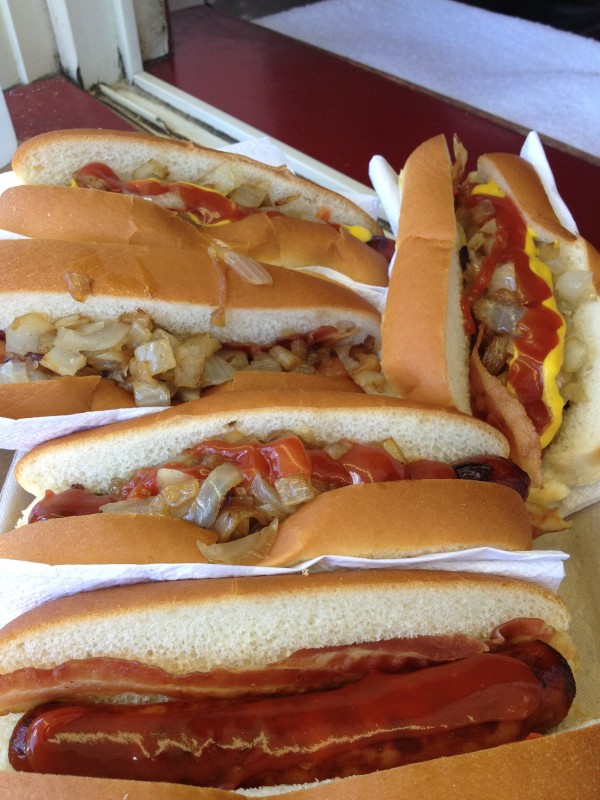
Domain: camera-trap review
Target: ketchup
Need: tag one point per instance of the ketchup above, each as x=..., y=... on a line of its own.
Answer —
x=537, y=331
x=262, y=741
x=211, y=207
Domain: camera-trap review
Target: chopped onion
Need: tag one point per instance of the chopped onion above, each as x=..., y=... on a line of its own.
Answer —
x=575, y=286
x=247, y=551
x=79, y=285
x=497, y=316
x=575, y=354
x=13, y=372
x=99, y=336
x=263, y=363
x=151, y=393
x=171, y=200
x=284, y=357
x=63, y=362
x=166, y=476
x=25, y=333
x=202, y=344
x=294, y=490
x=496, y=354
x=250, y=195
x=217, y=371
x=108, y=361
x=267, y=496
x=221, y=179
x=142, y=506
x=212, y=494
x=247, y=268
x=504, y=278
x=150, y=169
x=138, y=334
x=69, y=320
x=158, y=354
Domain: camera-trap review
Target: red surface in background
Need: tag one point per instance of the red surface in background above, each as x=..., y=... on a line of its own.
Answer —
x=336, y=111
x=333, y=110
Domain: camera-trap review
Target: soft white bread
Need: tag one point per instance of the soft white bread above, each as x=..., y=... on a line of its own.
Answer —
x=518, y=180
x=425, y=350
x=242, y=623
x=573, y=458
x=92, y=215
x=553, y=767
x=398, y=519
x=53, y=158
x=121, y=448
x=125, y=278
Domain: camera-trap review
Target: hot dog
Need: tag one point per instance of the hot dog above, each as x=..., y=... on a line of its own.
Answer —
x=484, y=310
x=551, y=767
x=282, y=478
x=442, y=644
x=266, y=213
x=80, y=309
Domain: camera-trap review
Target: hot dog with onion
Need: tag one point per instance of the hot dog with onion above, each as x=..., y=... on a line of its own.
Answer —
x=482, y=312
x=149, y=189
x=280, y=478
x=163, y=324
x=464, y=667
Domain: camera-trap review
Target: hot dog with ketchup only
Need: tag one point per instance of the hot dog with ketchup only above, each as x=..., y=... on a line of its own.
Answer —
x=223, y=682
x=153, y=190
x=279, y=479
x=492, y=308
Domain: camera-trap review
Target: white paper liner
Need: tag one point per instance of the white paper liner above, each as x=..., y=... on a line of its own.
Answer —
x=27, y=584
x=385, y=181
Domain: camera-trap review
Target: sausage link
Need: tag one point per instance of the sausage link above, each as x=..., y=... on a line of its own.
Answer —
x=381, y=721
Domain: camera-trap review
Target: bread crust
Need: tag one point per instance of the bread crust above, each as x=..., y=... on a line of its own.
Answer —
x=107, y=539
x=401, y=519
x=141, y=276
x=424, y=351
x=121, y=448
x=386, y=520
x=65, y=395
x=551, y=767
x=91, y=215
x=250, y=381
x=53, y=158
x=519, y=180
x=292, y=242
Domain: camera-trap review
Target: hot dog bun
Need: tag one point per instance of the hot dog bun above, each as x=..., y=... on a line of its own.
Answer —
x=425, y=350
x=121, y=448
x=207, y=298
x=397, y=519
x=545, y=768
x=53, y=158
x=61, y=396
x=196, y=628
x=92, y=215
